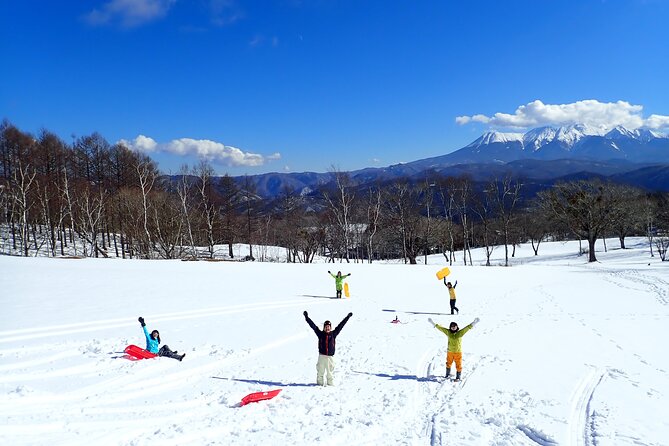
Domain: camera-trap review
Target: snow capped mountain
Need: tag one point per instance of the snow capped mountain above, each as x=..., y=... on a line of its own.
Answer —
x=645, y=135
x=496, y=137
x=541, y=151
x=576, y=141
x=571, y=134
x=536, y=138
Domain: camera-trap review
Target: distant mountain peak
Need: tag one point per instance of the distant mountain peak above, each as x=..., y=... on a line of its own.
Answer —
x=641, y=134
x=494, y=136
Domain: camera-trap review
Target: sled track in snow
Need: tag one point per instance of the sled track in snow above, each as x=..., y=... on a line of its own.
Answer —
x=136, y=385
x=580, y=427
x=94, y=326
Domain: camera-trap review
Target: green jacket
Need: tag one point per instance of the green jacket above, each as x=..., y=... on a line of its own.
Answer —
x=454, y=339
x=339, y=279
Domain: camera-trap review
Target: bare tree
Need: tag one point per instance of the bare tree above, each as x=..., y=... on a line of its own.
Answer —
x=185, y=193
x=340, y=203
x=249, y=200
x=630, y=218
x=403, y=209
x=446, y=189
x=22, y=187
x=586, y=207
x=167, y=225
x=229, y=196
x=506, y=194
x=147, y=177
x=374, y=195
x=462, y=190
x=535, y=226
x=483, y=207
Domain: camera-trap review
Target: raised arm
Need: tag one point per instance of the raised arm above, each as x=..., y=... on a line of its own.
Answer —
x=311, y=323
x=467, y=328
x=444, y=330
x=146, y=332
x=341, y=324
x=456, y=284
x=332, y=275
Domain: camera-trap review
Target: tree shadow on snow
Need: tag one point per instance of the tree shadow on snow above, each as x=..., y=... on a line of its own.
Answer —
x=420, y=379
x=418, y=312
x=267, y=383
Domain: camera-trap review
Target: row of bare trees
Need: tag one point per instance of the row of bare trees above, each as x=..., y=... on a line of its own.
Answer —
x=92, y=198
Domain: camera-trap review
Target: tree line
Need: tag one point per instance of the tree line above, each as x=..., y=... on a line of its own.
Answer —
x=95, y=199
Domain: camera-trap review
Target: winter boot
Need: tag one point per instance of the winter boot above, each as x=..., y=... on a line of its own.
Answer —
x=181, y=358
x=448, y=373
x=457, y=376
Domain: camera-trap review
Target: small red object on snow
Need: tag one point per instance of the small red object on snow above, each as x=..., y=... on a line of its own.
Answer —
x=259, y=396
x=138, y=352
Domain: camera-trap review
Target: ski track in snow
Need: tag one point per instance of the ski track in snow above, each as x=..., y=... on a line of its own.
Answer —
x=95, y=326
x=136, y=383
x=392, y=386
x=581, y=429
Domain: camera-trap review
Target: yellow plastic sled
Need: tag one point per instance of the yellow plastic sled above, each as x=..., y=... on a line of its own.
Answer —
x=443, y=273
x=346, y=293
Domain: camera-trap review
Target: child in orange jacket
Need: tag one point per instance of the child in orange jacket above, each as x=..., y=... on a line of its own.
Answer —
x=454, y=345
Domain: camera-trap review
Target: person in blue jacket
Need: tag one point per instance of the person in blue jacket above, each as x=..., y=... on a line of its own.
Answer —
x=326, y=348
x=153, y=341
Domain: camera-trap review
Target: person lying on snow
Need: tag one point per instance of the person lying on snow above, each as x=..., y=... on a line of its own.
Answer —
x=326, y=348
x=454, y=345
x=153, y=341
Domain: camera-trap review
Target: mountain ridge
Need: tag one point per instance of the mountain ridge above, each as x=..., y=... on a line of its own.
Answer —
x=542, y=153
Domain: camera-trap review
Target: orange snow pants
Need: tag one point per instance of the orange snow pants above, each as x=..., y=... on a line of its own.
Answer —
x=457, y=357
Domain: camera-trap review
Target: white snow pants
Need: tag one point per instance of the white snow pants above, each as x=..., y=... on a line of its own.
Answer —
x=325, y=366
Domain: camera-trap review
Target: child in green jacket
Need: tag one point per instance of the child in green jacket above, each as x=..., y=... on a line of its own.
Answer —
x=454, y=345
x=338, y=280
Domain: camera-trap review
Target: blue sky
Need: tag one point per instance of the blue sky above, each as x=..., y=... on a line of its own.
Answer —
x=305, y=85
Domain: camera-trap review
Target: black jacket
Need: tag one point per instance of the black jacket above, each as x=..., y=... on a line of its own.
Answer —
x=326, y=341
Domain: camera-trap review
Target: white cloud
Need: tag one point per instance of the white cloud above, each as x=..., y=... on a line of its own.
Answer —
x=129, y=13
x=602, y=115
x=141, y=144
x=202, y=149
x=657, y=122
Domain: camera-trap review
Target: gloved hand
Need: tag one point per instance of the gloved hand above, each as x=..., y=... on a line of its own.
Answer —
x=350, y=314
x=429, y=319
x=329, y=272
x=141, y=321
x=306, y=315
x=476, y=321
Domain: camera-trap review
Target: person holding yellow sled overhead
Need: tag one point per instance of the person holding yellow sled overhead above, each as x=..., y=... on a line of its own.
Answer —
x=338, y=280
x=454, y=345
x=451, y=295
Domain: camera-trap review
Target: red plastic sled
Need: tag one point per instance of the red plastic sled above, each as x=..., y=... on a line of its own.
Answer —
x=259, y=396
x=138, y=352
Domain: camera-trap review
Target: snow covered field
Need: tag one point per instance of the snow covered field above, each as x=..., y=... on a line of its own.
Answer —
x=566, y=352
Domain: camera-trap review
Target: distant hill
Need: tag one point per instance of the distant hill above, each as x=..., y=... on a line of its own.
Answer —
x=638, y=157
